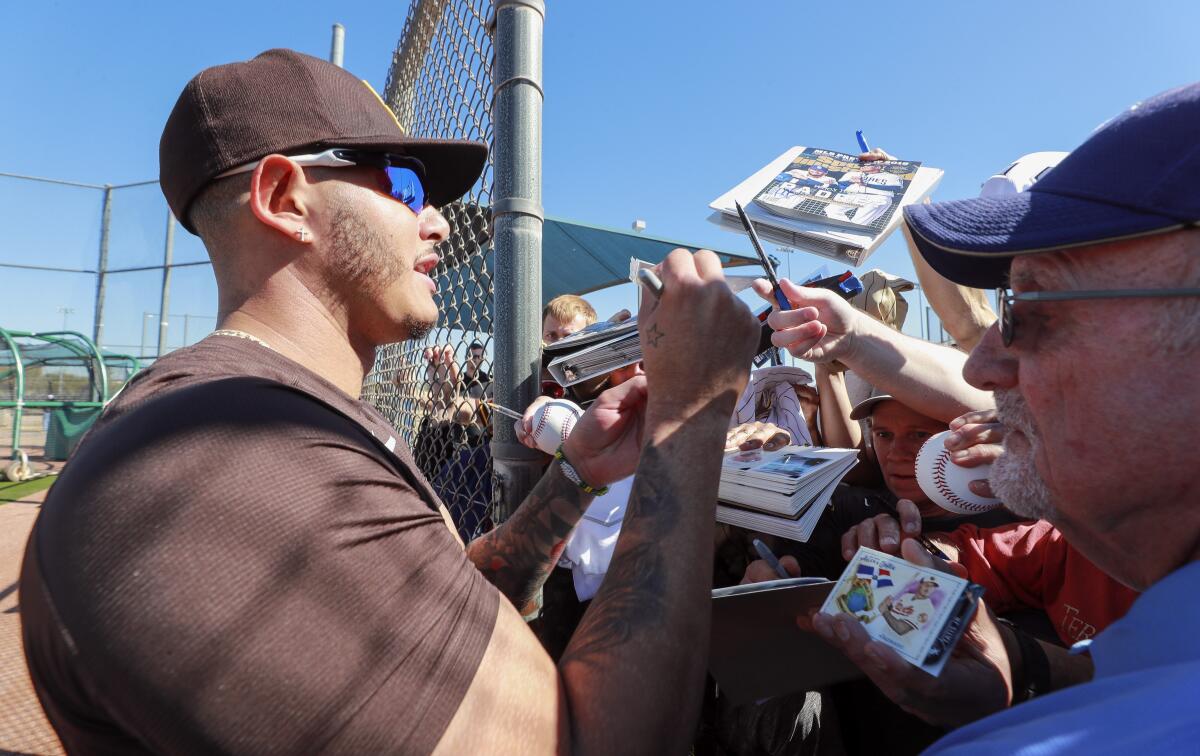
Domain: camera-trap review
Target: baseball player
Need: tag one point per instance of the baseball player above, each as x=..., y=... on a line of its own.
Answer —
x=865, y=196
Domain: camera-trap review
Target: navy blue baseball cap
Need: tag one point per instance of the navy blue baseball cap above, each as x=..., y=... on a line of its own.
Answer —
x=1135, y=176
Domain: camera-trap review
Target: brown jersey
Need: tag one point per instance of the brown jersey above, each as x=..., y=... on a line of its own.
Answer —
x=241, y=558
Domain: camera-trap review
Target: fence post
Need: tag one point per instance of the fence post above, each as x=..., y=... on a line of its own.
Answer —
x=517, y=218
x=165, y=300
x=102, y=265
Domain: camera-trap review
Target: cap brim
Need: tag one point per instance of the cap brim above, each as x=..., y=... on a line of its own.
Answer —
x=973, y=241
x=452, y=166
x=862, y=410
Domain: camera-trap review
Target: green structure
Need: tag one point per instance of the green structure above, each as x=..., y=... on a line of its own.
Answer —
x=62, y=373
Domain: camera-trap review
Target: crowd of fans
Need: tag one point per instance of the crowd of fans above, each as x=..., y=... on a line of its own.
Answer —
x=316, y=597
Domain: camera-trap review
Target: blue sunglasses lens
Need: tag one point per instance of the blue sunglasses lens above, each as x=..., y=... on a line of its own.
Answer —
x=406, y=187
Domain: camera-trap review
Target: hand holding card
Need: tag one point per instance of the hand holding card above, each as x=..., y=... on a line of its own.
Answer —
x=975, y=679
x=920, y=612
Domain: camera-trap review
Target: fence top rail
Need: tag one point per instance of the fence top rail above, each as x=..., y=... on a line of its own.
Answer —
x=80, y=184
x=54, y=181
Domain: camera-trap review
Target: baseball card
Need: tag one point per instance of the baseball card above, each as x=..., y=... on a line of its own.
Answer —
x=919, y=612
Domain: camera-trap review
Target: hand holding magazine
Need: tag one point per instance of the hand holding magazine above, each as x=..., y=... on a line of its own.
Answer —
x=826, y=202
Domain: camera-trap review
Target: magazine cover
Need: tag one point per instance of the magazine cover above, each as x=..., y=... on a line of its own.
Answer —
x=834, y=188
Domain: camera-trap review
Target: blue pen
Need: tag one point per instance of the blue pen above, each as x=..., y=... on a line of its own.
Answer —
x=767, y=556
x=762, y=258
x=862, y=141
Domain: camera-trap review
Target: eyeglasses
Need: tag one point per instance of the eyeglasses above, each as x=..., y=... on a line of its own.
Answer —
x=1008, y=321
x=405, y=175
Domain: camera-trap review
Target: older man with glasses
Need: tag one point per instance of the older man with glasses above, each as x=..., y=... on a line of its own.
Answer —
x=1094, y=367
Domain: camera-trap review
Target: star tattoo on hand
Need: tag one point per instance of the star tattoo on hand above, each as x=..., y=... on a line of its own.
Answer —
x=654, y=335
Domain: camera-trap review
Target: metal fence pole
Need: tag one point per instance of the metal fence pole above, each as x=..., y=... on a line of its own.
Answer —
x=102, y=265
x=517, y=217
x=337, y=46
x=165, y=301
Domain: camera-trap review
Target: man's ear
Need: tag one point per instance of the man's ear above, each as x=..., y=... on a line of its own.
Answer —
x=279, y=194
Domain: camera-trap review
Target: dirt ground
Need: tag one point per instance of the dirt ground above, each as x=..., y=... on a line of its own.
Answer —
x=23, y=728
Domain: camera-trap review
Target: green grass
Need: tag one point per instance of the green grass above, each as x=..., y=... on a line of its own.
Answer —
x=18, y=491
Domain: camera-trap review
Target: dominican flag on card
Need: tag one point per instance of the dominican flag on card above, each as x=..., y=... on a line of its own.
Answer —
x=866, y=570
x=884, y=579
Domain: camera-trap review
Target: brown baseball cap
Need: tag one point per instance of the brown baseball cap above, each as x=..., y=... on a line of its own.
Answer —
x=286, y=102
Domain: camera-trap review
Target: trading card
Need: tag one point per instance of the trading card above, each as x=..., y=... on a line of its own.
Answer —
x=919, y=612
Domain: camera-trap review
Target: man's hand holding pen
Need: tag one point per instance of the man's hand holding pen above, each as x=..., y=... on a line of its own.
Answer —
x=819, y=327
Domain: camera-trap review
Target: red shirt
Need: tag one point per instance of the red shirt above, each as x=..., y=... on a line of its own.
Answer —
x=1031, y=565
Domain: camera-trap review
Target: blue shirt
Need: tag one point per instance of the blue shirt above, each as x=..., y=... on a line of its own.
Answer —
x=1145, y=698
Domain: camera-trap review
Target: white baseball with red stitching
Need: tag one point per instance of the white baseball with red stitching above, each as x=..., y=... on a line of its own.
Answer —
x=553, y=422
x=945, y=483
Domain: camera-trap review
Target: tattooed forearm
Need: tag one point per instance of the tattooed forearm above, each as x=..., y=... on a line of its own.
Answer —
x=636, y=586
x=518, y=555
x=636, y=661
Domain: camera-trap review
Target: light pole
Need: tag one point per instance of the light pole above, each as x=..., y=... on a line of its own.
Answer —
x=145, y=317
x=66, y=312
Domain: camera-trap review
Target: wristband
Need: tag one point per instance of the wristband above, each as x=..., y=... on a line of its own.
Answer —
x=1032, y=678
x=573, y=475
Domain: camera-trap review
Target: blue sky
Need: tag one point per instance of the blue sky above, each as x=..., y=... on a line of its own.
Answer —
x=652, y=110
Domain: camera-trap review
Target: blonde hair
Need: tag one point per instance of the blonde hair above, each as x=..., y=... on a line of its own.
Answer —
x=567, y=307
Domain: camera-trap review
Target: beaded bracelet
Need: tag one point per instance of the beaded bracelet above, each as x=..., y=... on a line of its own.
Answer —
x=573, y=475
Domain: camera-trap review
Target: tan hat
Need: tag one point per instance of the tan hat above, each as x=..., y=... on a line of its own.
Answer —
x=863, y=409
x=289, y=103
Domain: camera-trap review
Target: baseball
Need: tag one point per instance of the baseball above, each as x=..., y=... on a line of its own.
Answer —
x=553, y=422
x=945, y=483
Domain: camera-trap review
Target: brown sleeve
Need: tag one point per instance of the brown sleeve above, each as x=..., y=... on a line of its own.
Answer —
x=237, y=568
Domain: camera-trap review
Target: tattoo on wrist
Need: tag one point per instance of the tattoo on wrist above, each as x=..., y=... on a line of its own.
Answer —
x=654, y=335
x=518, y=556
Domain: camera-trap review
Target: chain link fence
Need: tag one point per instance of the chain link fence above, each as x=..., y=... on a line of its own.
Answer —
x=75, y=255
x=440, y=85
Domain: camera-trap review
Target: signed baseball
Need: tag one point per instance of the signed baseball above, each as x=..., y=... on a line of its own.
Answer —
x=945, y=483
x=553, y=422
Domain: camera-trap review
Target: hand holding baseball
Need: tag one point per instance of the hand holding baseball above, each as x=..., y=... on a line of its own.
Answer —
x=523, y=428
x=602, y=444
x=975, y=440
x=948, y=484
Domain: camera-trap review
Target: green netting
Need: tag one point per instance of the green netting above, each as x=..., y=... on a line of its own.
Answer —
x=52, y=386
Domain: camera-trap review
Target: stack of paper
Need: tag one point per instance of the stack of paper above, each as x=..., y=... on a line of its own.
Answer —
x=781, y=492
x=837, y=241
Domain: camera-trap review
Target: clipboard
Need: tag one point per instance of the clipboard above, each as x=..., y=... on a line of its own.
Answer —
x=756, y=649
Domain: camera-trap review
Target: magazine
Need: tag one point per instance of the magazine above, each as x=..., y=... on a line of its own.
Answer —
x=824, y=186
x=835, y=235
